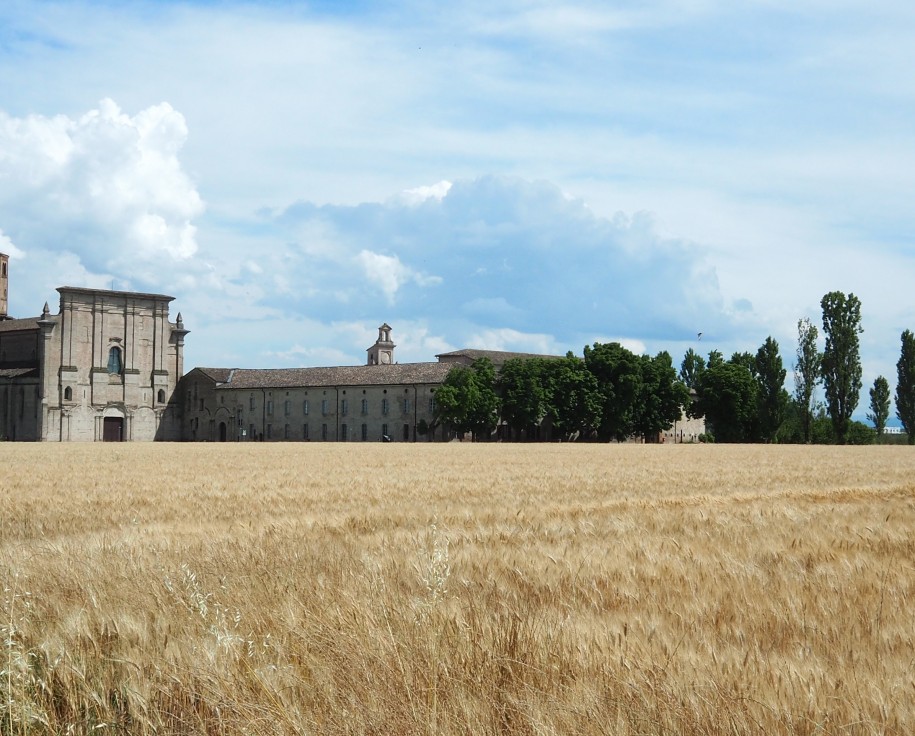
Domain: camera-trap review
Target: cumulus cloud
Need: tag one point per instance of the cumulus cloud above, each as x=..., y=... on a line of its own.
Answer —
x=514, y=340
x=6, y=246
x=418, y=195
x=106, y=187
x=389, y=274
x=512, y=258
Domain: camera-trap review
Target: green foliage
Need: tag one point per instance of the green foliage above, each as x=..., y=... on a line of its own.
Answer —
x=806, y=372
x=619, y=378
x=880, y=404
x=640, y=395
x=860, y=434
x=728, y=400
x=467, y=399
x=691, y=368
x=747, y=360
x=841, y=360
x=905, y=385
x=773, y=398
x=662, y=397
x=524, y=394
x=575, y=400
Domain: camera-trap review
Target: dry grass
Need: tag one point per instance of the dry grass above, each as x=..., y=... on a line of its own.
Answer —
x=457, y=589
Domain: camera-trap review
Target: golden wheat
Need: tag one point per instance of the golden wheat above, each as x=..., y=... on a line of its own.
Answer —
x=457, y=589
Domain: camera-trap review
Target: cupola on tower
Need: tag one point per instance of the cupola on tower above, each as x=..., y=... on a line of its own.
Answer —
x=382, y=352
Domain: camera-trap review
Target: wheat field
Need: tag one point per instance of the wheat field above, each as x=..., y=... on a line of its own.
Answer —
x=457, y=589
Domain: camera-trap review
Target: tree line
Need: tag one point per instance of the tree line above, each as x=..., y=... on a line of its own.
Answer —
x=613, y=394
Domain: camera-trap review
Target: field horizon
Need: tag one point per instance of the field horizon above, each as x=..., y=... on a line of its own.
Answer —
x=457, y=588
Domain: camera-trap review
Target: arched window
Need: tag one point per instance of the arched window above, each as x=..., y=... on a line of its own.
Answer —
x=114, y=360
x=160, y=397
x=68, y=394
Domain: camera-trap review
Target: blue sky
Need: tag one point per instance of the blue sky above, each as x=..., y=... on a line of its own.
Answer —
x=519, y=175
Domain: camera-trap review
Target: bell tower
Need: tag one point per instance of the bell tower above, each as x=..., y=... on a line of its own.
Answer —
x=382, y=352
x=4, y=285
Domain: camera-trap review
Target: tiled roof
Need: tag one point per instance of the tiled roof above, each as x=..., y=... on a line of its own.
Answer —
x=11, y=325
x=219, y=375
x=498, y=357
x=357, y=375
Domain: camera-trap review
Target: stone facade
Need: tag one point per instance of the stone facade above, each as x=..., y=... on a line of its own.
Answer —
x=382, y=400
x=104, y=368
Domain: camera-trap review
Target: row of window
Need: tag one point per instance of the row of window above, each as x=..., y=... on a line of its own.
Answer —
x=325, y=433
x=404, y=405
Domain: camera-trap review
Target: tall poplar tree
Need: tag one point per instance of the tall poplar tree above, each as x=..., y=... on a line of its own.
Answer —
x=905, y=385
x=880, y=404
x=841, y=359
x=770, y=374
x=806, y=372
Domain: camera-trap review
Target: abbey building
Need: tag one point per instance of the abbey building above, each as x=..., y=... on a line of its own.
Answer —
x=109, y=366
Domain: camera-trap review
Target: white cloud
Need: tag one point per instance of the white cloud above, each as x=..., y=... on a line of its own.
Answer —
x=418, y=195
x=111, y=184
x=7, y=246
x=514, y=340
x=388, y=274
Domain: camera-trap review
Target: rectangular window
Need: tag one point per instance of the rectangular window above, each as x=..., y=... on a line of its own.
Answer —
x=324, y=407
x=432, y=405
x=269, y=431
x=344, y=432
x=344, y=407
x=287, y=407
x=305, y=407
x=406, y=406
x=251, y=403
x=201, y=404
x=270, y=408
x=252, y=433
x=384, y=407
x=304, y=431
x=365, y=406
x=286, y=432
x=365, y=432
x=324, y=432
x=406, y=433
x=384, y=430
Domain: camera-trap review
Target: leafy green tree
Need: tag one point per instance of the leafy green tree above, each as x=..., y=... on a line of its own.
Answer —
x=728, y=400
x=574, y=404
x=467, y=399
x=525, y=398
x=747, y=360
x=880, y=404
x=772, y=395
x=691, y=368
x=806, y=372
x=841, y=358
x=619, y=378
x=714, y=358
x=905, y=385
x=662, y=397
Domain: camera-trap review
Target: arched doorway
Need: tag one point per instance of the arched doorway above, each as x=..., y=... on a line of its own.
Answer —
x=223, y=432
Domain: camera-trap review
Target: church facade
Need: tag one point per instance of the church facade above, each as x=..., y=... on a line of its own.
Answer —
x=104, y=367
